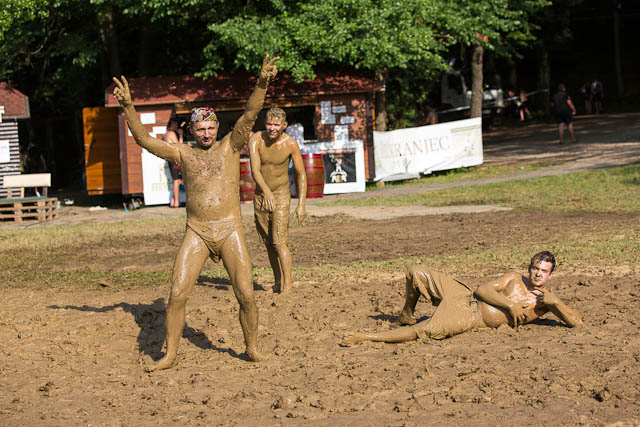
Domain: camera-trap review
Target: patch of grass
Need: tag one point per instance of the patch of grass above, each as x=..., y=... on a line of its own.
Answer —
x=40, y=239
x=606, y=190
x=611, y=254
x=473, y=172
x=86, y=279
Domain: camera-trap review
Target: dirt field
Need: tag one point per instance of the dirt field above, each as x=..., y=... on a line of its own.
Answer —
x=76, y=356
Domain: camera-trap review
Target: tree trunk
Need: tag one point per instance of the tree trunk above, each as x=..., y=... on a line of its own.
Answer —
x=476, y=81
x=543, y=79
x=616, y=47
x=381, y=103
x=109, y=39
x=144, y=48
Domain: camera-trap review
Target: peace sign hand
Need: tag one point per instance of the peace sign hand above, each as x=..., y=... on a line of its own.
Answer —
x=121, y=92
x=269, y=69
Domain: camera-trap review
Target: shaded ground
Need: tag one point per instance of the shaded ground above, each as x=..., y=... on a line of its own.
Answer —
x=74, y=356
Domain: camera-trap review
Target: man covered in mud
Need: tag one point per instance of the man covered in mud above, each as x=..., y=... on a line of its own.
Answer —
x=511, y=299
x=271, y=150
x=211, y=171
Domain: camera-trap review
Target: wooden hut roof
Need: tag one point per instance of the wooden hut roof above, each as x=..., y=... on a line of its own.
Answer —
x=16, y=104
x=175, y=89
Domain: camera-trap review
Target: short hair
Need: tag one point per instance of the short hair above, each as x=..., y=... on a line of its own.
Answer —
x=561, y=86
x=545, y=256
x=277, y=113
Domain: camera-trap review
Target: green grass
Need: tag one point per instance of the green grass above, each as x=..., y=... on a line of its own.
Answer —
x=28, y=257
x=606, y=190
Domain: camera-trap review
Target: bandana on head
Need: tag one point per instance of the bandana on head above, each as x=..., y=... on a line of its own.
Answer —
x=203, y=114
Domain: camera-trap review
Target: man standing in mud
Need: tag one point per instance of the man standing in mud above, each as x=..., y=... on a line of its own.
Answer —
x=511, y=299
x=211, y=171
x=271, y=150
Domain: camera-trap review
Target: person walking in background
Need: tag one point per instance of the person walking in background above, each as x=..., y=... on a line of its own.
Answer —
x=597, y=95
x=523, y=105
x=564, y=112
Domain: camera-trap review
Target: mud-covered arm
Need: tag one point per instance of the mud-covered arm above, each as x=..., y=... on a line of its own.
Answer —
x=301, y=176
x=256, y=165
x=491, y=293
x=559, y=308
x=160, y=148
x=242, y=129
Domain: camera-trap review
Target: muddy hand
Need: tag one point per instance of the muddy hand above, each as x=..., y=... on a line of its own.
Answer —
x=121, y=91
x=269, y=69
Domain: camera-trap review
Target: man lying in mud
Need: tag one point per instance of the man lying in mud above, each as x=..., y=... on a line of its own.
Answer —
x=211, y=173
x=511, y=299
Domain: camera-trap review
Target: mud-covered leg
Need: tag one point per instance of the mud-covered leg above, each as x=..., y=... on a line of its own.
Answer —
x=404, y=334
x=238, y=265
x=411, y=297
x=284, y=258
x=191, y=257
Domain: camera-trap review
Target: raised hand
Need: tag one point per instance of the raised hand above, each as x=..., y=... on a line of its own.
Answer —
x=121, y=91
x=269, y=69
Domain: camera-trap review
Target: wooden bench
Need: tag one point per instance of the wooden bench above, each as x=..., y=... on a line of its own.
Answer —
x=19, y=209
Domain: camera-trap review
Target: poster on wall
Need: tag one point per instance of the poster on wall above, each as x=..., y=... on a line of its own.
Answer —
x=156, y=181
x=408, y=153
x=343, y=165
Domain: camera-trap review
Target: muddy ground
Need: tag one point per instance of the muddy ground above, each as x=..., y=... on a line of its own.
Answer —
x=76, y=356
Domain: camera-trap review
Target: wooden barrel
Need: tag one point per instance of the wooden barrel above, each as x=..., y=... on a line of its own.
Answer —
x=314, y=167
x=247, y=184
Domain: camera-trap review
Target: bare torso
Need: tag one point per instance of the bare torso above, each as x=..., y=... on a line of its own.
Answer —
x=211, y=179
x=274, y=161
x=517, y=292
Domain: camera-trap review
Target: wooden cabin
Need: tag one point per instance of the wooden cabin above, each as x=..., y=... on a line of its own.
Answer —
x=332, y=102
x=14, y=106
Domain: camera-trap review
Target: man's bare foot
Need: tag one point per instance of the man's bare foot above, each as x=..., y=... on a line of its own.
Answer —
x=351, y=339
x=254, y=355
x=405, y=319
x=165, y=363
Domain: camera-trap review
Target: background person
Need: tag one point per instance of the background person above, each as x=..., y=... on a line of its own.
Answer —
x=174, y=135
x=271, y=151
x=564, y=112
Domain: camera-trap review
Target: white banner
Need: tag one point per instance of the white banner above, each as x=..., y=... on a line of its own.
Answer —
x=407, y=153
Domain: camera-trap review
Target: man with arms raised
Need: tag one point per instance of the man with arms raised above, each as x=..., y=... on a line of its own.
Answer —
x=211, y=171
x=271, y=150
x=511, y=299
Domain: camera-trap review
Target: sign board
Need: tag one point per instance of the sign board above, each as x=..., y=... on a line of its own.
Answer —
x=343, y=165
x=408, y=153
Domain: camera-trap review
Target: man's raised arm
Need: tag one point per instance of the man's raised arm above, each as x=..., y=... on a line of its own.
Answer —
x=160, y=148
x=242, y=129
